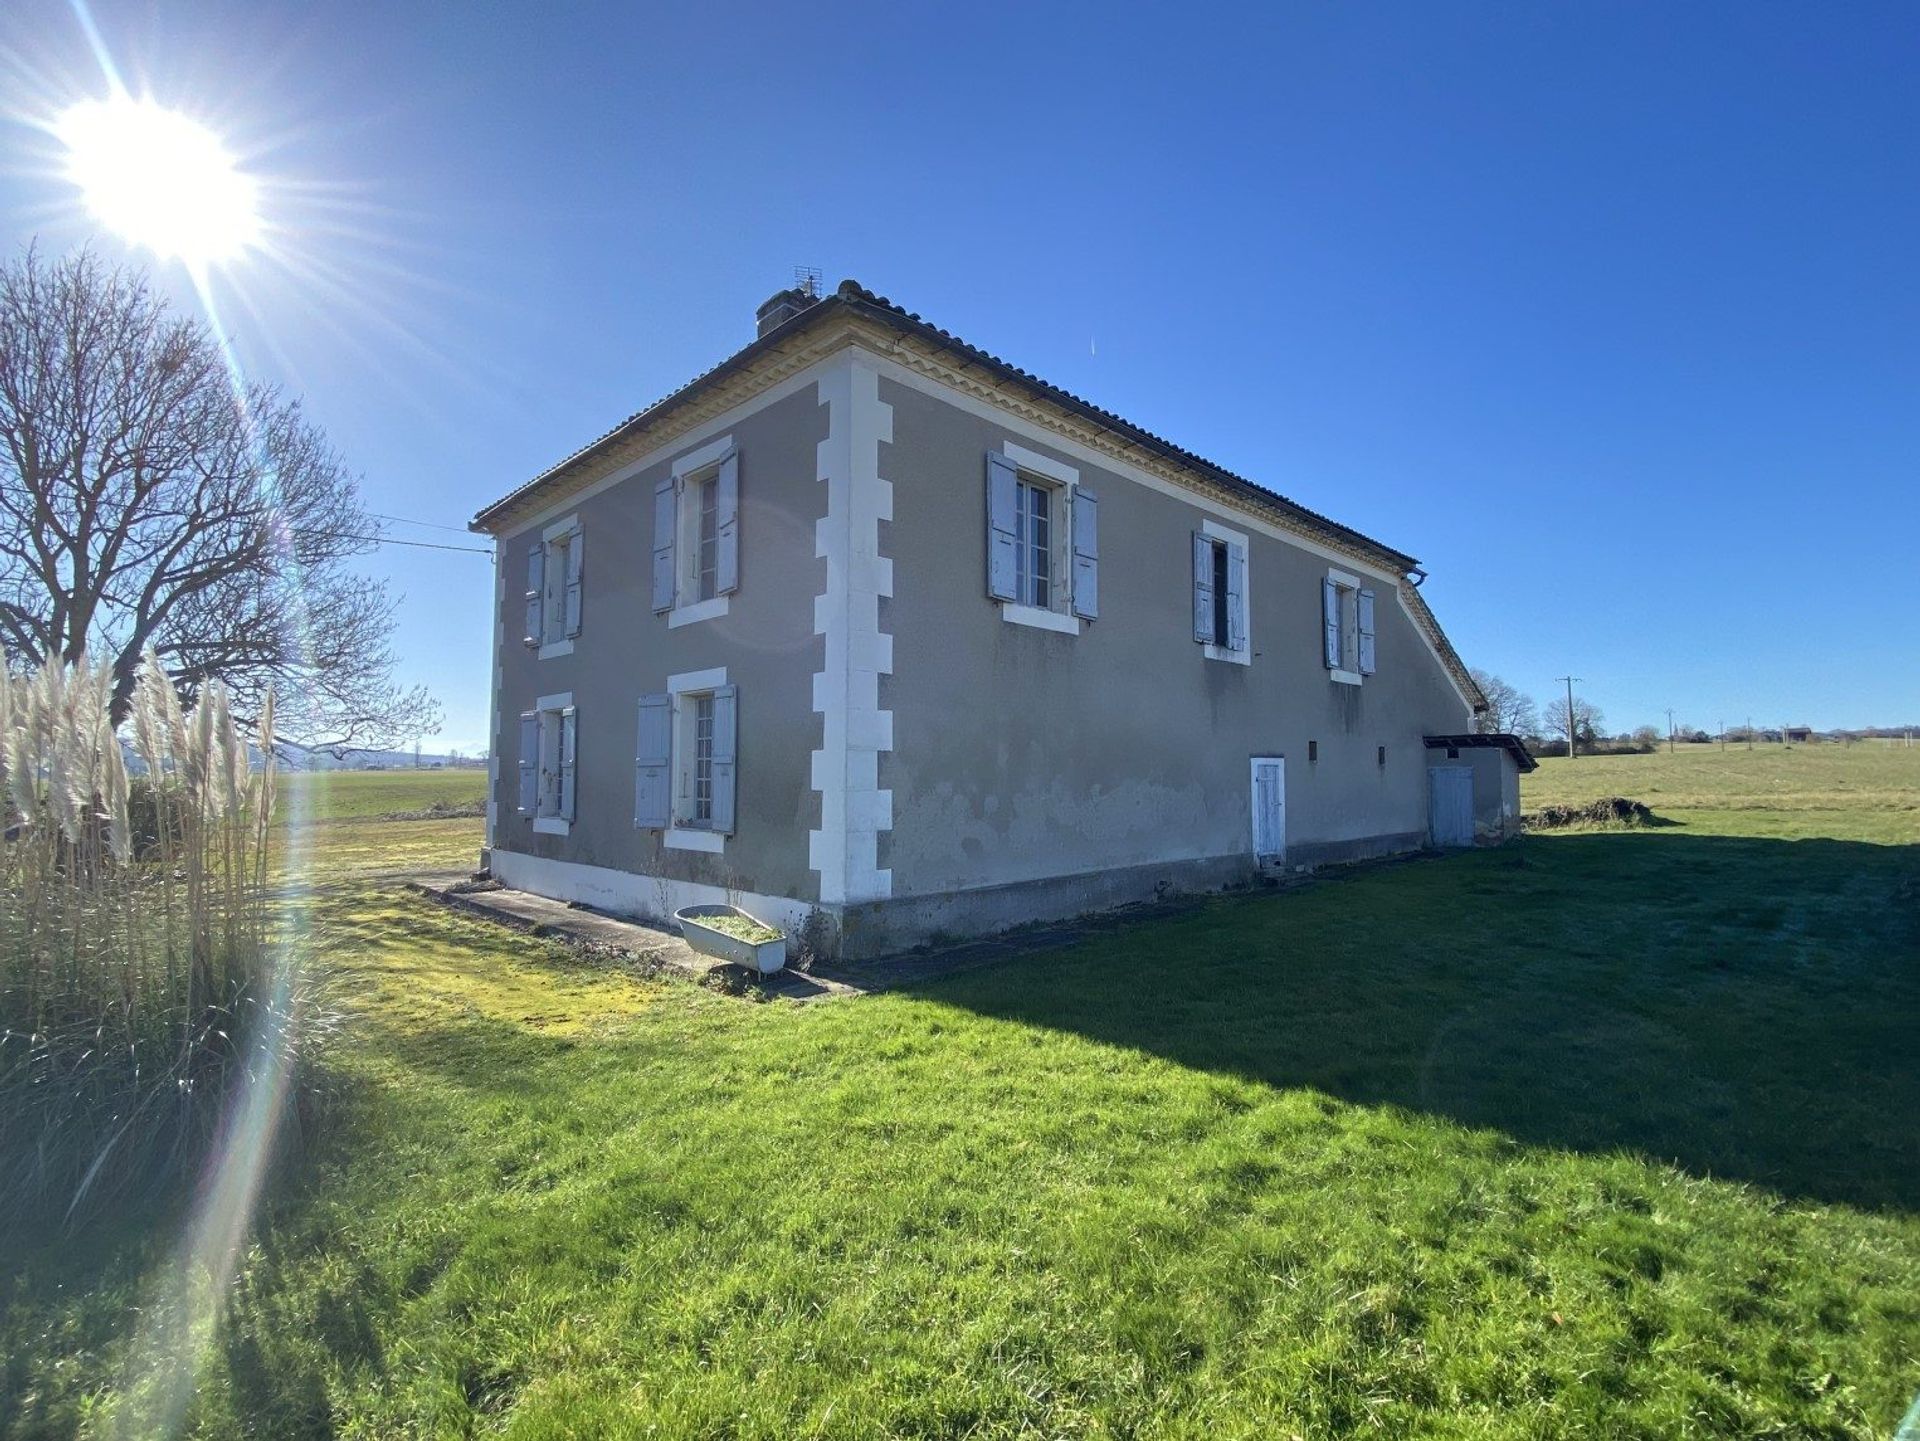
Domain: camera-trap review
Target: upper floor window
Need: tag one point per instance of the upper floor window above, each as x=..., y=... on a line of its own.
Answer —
x=1346, y=617
x=696, y=534
x=1220, y=611
x=1043, y=542
x=706, y=568
x=555, y=575
x=1033, y=542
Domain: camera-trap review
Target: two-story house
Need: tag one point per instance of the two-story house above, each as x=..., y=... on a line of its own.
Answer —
x=867, y=622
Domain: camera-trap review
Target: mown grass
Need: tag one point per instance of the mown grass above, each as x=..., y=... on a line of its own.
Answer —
x=1602, y=1134
x=1867, y=791
x=358, y=795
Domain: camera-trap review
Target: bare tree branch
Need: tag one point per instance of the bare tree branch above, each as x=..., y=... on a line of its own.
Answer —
x=1510, y=711
x=143, y=502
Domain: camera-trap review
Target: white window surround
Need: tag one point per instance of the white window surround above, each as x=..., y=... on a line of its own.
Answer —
x=1213, y=530
x=697, y=680
x=699, y=610
x=1033, y=615
x=692, y=838
x=549, y=825
x=679, y=837
x=1058, y=617
x=1033, y=462
x=712, y=453
x=1349, y=586
x=554, y=601
x=687, y=536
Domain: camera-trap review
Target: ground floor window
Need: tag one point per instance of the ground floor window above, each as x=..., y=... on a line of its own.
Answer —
x=549, y=746
x=684, y=767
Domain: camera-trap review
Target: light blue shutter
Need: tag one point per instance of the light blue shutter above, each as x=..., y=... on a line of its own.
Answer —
x=536, y=593
x=573, y=575
x=529, y=762
x=569, y=744
x=1086, y=555
x=1003, y=483
x=653, y=756
x=726, y=710
x=664, y=514
x=1330, y=621
x=1202, y=588
x=1236, y=597
x=1365, y=609
x=726, y=506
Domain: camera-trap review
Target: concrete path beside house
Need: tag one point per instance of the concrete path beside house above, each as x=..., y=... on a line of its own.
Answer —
x=654, y=948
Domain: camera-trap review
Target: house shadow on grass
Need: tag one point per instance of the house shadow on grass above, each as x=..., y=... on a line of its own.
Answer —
x=1743, y=1008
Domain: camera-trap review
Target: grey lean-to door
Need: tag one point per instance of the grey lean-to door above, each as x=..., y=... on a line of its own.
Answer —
x=1269, y=808
x=1450, y=805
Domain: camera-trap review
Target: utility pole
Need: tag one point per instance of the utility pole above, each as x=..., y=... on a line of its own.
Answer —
x=1723, y=737
x=1573, y=724
x=1669, y=730
x=1749, y=732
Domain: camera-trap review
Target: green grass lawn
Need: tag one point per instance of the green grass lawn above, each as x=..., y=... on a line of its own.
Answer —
x=1868, y=791
x=1599, y=1134
x=358, y=795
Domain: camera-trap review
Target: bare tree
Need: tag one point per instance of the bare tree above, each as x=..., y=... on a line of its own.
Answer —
x=1584, y=724
x=1509, y=710
x=146, y=502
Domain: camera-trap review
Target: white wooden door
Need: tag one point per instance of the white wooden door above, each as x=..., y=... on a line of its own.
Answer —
x=1269, y=808
x=1450, y=805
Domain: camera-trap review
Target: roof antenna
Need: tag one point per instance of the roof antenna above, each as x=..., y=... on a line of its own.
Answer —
x=807, y=280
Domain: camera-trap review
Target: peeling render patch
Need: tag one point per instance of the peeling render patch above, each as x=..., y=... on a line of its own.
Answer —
x=846, y=691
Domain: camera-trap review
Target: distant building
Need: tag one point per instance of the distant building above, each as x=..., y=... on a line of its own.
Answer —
x=1800, y=735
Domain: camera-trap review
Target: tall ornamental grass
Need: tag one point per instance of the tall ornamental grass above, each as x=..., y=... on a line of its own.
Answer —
x=138, y=984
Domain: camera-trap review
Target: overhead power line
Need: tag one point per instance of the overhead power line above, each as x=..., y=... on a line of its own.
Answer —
x=416, y=544
x=429, y=524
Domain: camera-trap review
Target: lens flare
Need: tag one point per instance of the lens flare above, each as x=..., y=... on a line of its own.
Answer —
x=160, y=180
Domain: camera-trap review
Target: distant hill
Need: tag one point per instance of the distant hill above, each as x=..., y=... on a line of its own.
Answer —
x=294, y=760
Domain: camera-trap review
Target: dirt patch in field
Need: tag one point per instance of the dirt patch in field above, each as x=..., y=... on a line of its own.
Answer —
x=1607, y=811
x=440, y=811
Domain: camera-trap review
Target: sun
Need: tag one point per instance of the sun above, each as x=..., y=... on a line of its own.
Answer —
x=160, y=180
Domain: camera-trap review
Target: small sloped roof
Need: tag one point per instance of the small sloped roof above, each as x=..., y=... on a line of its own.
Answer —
x=1511, y=744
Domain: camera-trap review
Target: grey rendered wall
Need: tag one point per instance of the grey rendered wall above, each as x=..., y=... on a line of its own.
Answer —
x=766, y=642
x=1021, y=754
x=1496, y=791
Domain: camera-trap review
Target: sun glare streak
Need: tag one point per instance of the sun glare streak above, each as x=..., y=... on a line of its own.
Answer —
x=160, y=180
x=167, y=1355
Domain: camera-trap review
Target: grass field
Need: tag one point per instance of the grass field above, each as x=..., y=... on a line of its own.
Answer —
x=1600, y=1134
x=356, y=795
x=1869, y=791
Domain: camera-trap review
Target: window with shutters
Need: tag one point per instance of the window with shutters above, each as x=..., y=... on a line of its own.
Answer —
x=684, y=764
x=707, y=568
x=696, y=534
x=1033, y=542
x=556, y=574
x=1221, y=613
x=702, y=760
x=548, y=764
x=1043, y=545
x=1347, y=625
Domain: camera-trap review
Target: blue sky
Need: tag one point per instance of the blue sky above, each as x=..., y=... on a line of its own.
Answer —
x=1610, y=314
